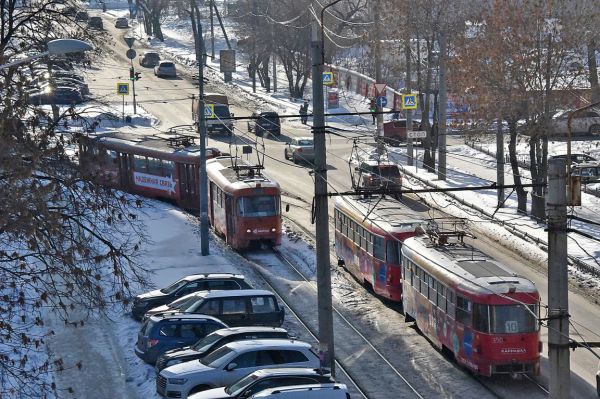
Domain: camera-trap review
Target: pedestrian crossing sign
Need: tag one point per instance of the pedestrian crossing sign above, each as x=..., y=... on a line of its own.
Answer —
x=327, y=78
x=209, y=111
x=123, y=89
x=409, y=101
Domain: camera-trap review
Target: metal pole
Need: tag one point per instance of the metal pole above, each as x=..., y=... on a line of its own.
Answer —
x=500, y=162
x=203, y=187
x=442, y=109
x=378, y=78
x=324, y=305
x=123, y=109
x=212, y=31
x=133, y=89
x=558, y=283
x=409, y=141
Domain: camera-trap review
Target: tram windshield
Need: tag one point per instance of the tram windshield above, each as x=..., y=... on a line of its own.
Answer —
x=258, y=205
x=505, y=319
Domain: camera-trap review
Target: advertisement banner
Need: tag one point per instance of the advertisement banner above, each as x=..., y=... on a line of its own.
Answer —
x=155, y=182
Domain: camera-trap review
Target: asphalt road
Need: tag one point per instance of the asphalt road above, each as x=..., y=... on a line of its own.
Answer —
x=170, y=101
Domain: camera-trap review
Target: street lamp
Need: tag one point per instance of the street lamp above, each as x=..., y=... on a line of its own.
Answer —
x=55, y=47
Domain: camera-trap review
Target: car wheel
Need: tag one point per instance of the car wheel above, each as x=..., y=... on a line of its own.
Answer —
x=598, y=385
x=595, y=130
x=249, y=128
x=285, y=154
x=294, y=159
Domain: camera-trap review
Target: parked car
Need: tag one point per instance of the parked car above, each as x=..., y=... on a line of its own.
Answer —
x=264, y=121
x=81, y=16
x=379, y=174
x=300, y=149
x=587, y=122
x=263, y=379
x=160, y=334
x=316, y=391
x=187, y=285
x=394, y=131
x=231, y=362
x=214, y=341
x=149, y=59
x=237, y=307
x=174, y=306
x=121, y=22
x=60, y=82
x=165, y=69
x=589, y=172
x=95, y=23
x=576, y=158
x=60, y=95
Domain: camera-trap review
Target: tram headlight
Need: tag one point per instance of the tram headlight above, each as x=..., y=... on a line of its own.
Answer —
x=248, y=231
x=273, y=229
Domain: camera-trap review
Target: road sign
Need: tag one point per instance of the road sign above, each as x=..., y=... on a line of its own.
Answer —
x=381, y=101
x=123, y=89
x=130, y=54
x=209, y=111
x=227, y=60
x=417, y=134
x=380, y=88
x=409, y=101
x=129, y=41
x=327, y=78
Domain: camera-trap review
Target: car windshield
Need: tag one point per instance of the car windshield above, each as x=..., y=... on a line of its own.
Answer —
x=389, y=171
x=151, y=56
x=305, y=142
x=183, y=302
x=147, y=328
x=167, y=64
x=258, y=205
x=240, y=385
x=205, y=343
x=222, y=111
x=173, y=287
x=215, y=359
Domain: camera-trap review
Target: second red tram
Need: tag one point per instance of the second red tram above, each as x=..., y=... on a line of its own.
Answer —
x=244, y=204
x=368, y=237
x=471, y=306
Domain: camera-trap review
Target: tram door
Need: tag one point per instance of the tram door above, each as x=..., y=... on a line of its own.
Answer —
x=230, y=215
x=124, y=170
x=189, y=185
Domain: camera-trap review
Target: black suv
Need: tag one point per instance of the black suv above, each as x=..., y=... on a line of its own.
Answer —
x=96, y=23
x=265, y=121
x=214, y=341
x=196, y=282
x=160, y=334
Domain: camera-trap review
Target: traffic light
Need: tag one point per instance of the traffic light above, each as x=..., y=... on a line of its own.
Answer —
x=131, y=71
x=138, y=75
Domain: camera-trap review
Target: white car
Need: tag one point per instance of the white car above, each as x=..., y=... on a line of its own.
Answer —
x=318, y=391
x=165, y=69
x=232, y=362
x=300, y=149
x=587, y=122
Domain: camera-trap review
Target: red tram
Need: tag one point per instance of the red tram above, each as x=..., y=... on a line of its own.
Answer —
x=154, y=166
x=471, y=306
x=368, y=236
x=244, y=204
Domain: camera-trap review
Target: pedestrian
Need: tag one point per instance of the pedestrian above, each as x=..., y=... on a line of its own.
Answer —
x=373, y=109
x=304, y=112
x=396, y=114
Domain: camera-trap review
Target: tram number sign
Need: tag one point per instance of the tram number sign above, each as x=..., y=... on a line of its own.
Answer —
x=511, y=326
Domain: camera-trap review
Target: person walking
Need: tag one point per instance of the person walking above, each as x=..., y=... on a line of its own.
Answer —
x=304, y=112
x=373, y=109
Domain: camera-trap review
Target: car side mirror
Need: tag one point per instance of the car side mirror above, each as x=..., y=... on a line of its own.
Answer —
x=231, y=366
x=287, y=207
x=232, y=115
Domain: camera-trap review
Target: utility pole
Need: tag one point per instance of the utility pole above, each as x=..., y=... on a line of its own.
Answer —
x=212, y=30
x=500, y=162
x=558, y=283
x=203, y=189
x=408, y=84
x=253, y=64
x=324, y=305
x=443, y=102
x=378, y=78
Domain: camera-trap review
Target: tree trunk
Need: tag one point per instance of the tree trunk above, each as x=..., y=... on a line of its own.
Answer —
x=156, y=26
x=514, y=163
x=593, y=68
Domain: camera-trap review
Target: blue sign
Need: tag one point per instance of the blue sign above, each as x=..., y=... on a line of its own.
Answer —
x=123, y=89
x=381, y=101
x=327, y=78
x=409, y=101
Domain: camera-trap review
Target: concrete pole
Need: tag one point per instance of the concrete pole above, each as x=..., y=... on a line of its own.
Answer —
x=203, y=189
x=378, y=78
x=212, y=31
x=324, y=305
x=500, y=162
x=408, y=84
x=558, y=284
x=442, y=109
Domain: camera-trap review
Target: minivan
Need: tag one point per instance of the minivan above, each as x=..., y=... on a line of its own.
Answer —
x=162, y=333
x=238, y=307
x=264, y=121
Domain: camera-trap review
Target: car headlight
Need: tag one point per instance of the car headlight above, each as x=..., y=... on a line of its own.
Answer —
x=177, y=381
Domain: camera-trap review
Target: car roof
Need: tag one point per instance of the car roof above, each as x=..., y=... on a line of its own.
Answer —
x=248, y=329
x=235, y=293
x=309, y=387
x=209, y=276
x=267, y=343
x=184, y=316
x=586, y=165
x=290, y=371
x=304, y=138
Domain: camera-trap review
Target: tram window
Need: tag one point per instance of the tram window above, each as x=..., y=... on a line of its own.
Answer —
x=392, y=251
x=481, y=318
x=378, y=249
x=507, y=319
x=258, y=206
x=111, y=156
x=463, y=311
x=154, y=166
x=140, y=164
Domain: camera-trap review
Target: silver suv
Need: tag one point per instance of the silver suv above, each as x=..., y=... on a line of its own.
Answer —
x=232, y=362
